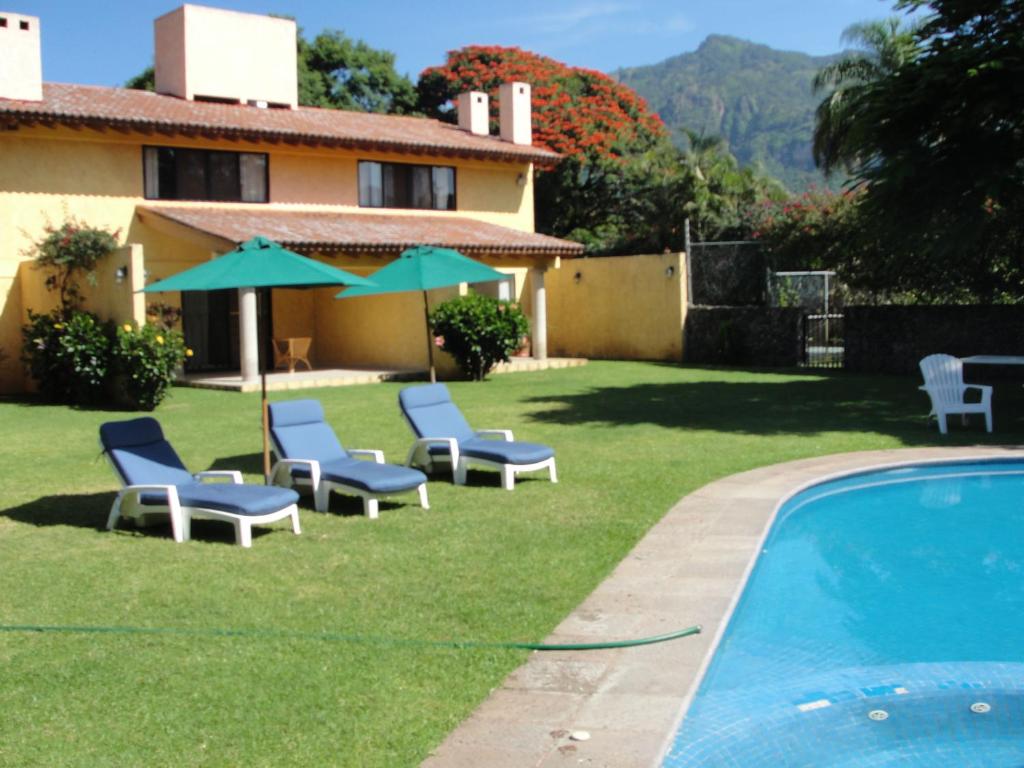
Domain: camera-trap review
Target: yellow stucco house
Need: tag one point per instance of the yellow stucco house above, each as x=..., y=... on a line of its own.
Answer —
x=223, y=152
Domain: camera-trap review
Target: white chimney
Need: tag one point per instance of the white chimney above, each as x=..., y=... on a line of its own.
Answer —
x=215, y=55
x=474, y=113
x=514, y=113
x=21, y=59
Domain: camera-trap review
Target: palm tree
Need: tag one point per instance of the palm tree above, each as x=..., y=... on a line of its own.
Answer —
x=844, y=119
x=703, y=152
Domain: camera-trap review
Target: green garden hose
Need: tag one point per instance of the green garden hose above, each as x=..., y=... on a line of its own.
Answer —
x=339, y=638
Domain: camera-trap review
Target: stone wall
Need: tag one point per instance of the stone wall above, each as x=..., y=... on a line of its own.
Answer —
x=891, y=339
x=746, y=336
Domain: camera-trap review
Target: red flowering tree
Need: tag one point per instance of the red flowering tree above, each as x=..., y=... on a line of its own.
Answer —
x=601, y=128
x=577, y=112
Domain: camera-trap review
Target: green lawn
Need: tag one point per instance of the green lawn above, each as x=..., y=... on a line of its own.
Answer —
x=481, y=564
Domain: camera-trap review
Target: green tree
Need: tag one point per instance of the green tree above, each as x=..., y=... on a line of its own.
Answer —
x=718, y=192
x=338, y=72
x=842, y=131
x=939, y=151
x=144, y=81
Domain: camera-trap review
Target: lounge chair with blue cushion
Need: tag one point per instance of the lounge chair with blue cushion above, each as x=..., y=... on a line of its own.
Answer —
x=444, y=436
x=309, y=454
x=156, y=482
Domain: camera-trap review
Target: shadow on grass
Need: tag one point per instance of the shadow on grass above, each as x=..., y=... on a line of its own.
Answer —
x=483, y=478
x=246, y=463
x=822, y=403
x=90, y=511
x=33, y=401
x=340, y=504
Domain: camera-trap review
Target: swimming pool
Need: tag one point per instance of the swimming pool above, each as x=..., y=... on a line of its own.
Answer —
x=883, y=623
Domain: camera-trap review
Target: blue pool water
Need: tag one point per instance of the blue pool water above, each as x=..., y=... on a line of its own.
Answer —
x=898, y=591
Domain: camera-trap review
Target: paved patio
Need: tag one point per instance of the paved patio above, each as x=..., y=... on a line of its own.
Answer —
x=278, y=381
x=687, y=570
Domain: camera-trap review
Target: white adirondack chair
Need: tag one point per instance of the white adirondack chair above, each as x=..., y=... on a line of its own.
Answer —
x=944, y=383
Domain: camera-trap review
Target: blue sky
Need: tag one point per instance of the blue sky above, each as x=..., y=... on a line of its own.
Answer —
x=106, y=43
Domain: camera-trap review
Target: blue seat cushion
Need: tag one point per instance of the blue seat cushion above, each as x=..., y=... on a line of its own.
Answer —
x=228, y=497
x=505, y=452
x=300, y=432
x=367, y=475
x=431, y=412
x=141, y=453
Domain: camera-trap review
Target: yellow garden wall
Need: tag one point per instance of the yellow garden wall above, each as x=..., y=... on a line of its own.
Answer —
x=11, y=378
x=620, y=307
x=386, y=331
x=118, y=298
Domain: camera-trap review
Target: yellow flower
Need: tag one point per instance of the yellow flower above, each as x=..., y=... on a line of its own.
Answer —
x=127, y=327
x=188, y=353
x=59, y=326
x=159, y=339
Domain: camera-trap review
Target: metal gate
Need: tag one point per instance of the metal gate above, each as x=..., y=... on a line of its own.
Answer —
x=823, y=341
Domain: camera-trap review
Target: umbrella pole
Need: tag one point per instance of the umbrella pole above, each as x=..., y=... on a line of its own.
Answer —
x=261, y=356
x=430, y=340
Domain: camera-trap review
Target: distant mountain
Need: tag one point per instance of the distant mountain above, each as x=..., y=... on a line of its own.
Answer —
x=756, y=98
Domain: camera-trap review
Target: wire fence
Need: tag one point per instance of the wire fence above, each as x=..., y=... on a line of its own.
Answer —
x=727, y=274
x=739, y=274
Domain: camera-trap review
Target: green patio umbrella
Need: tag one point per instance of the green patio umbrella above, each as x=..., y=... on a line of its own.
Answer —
x=258, y=263
x=424, y=268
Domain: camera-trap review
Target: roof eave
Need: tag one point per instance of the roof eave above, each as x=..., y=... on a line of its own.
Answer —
x=14, y=118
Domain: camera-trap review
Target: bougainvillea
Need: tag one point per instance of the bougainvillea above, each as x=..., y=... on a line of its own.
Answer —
x=577, y=112
x=810, y=231
x=68, y=251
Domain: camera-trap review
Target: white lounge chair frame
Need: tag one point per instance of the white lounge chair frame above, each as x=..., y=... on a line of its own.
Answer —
x=322, y=488
x=419, y=455
x=944, y=383
x=127, y=504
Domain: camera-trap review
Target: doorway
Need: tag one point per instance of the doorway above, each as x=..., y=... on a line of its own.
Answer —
x=210, y=323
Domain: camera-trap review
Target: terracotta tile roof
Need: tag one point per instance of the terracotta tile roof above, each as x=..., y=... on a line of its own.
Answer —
x=362, y=232
x=123, y=109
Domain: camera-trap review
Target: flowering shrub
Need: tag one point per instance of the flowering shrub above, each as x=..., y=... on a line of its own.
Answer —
x=478, y=332
x=166, y=316
x=145, y=360
x=69, y=356
x=68, y=250
x=812, y=231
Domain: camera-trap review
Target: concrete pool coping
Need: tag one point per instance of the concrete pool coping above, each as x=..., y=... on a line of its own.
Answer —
x=687, y=570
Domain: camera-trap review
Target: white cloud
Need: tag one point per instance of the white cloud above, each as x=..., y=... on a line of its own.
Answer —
x=574, y=17
x=678, y=23
x=563, y=30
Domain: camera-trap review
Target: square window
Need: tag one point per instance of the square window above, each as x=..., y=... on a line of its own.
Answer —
x=405, y=185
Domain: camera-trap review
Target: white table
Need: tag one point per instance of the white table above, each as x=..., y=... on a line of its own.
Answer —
x=994, y=359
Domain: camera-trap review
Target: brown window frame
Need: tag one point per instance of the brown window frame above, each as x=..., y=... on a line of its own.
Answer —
x=407, y=167
x=206, y=154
